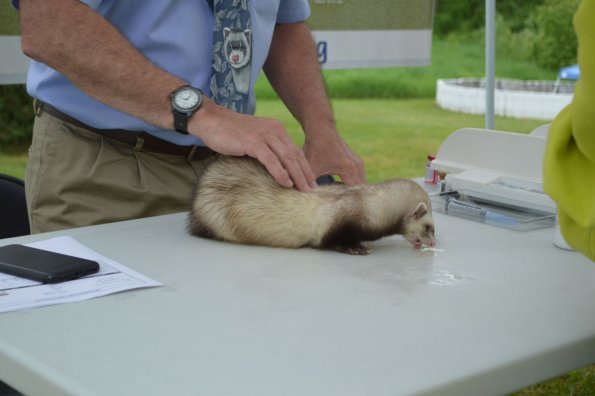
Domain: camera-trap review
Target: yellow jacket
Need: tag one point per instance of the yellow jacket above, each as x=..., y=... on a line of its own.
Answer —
x=569, y=163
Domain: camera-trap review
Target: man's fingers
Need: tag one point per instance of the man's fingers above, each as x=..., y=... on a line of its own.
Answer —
x=268, y=142
x=284, y=160
x=301, y=174
x=350, y=179
x=351, y=172
x=295, y=163
x=287, y=165
x=307, y=169
x=272, y=164
x=354, y=173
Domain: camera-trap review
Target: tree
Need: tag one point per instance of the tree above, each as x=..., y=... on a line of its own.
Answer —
x=555, y=43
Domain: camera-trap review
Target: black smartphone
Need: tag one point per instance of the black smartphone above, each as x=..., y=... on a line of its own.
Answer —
x=42, y=265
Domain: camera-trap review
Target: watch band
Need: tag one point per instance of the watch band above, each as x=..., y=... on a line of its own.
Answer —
x=180, y=122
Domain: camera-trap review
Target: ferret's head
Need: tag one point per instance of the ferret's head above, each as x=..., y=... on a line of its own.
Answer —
x=419, y=226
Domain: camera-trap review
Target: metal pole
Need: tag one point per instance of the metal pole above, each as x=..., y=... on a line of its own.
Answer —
x=490, y=60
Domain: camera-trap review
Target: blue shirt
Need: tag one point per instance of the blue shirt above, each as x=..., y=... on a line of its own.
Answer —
x=176, y=35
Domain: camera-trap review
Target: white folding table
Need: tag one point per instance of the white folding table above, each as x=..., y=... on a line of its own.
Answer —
x=494, y=311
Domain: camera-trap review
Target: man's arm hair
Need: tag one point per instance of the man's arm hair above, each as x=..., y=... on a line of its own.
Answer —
x=73, y=39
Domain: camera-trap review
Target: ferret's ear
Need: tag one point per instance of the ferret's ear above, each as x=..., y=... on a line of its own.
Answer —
x=420, y=210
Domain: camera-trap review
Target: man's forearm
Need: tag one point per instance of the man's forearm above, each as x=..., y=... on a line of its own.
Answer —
x=73, y=39
x=293, y=71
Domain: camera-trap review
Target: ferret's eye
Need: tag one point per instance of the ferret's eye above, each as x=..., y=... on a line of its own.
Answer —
x=429, y=228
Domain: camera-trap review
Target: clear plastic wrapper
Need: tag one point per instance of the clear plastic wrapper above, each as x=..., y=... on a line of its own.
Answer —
x=454, y=204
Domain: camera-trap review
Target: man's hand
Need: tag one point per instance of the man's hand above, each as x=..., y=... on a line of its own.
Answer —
x=328, y=154
x=231, y=133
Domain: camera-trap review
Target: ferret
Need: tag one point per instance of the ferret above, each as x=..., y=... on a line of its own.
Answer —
x=237, y=200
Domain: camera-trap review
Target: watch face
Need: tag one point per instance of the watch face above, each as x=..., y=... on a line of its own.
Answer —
x=186, y=99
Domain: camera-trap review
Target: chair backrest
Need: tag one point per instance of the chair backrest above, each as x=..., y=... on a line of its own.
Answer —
x=14, y=220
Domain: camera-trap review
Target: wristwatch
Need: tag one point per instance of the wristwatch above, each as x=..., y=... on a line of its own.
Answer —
x=185, y=101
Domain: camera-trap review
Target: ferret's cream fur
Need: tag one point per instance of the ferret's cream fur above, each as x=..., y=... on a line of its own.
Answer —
x=236, y=200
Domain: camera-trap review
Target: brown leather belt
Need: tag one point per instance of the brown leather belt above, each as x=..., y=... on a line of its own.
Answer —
x=139, y=140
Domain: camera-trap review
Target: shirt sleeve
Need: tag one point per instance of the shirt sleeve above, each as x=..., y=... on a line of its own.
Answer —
x=291, y=11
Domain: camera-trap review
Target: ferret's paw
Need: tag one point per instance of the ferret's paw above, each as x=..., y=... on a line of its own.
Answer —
x=355, y=250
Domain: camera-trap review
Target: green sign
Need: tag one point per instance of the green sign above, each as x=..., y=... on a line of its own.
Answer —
x=9, y=20
x=348, y=34
x=372, y=33
x=371, y=14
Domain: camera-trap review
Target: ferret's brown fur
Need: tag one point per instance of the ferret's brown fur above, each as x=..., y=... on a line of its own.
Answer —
x=237, y=200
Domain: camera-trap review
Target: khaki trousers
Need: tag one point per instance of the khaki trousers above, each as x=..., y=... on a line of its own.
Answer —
x=77, y=178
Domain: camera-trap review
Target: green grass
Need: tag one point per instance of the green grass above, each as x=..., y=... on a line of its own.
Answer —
x=13, y=164
x=450, y=59
x=9, y=19
x=576, y=383
x=394, y=136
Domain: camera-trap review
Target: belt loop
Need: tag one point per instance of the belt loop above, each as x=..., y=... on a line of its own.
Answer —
x=140, y=141
x=191, y=153
x=37, y=107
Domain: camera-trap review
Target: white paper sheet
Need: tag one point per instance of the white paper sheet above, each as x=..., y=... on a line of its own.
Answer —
x=19, y=293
